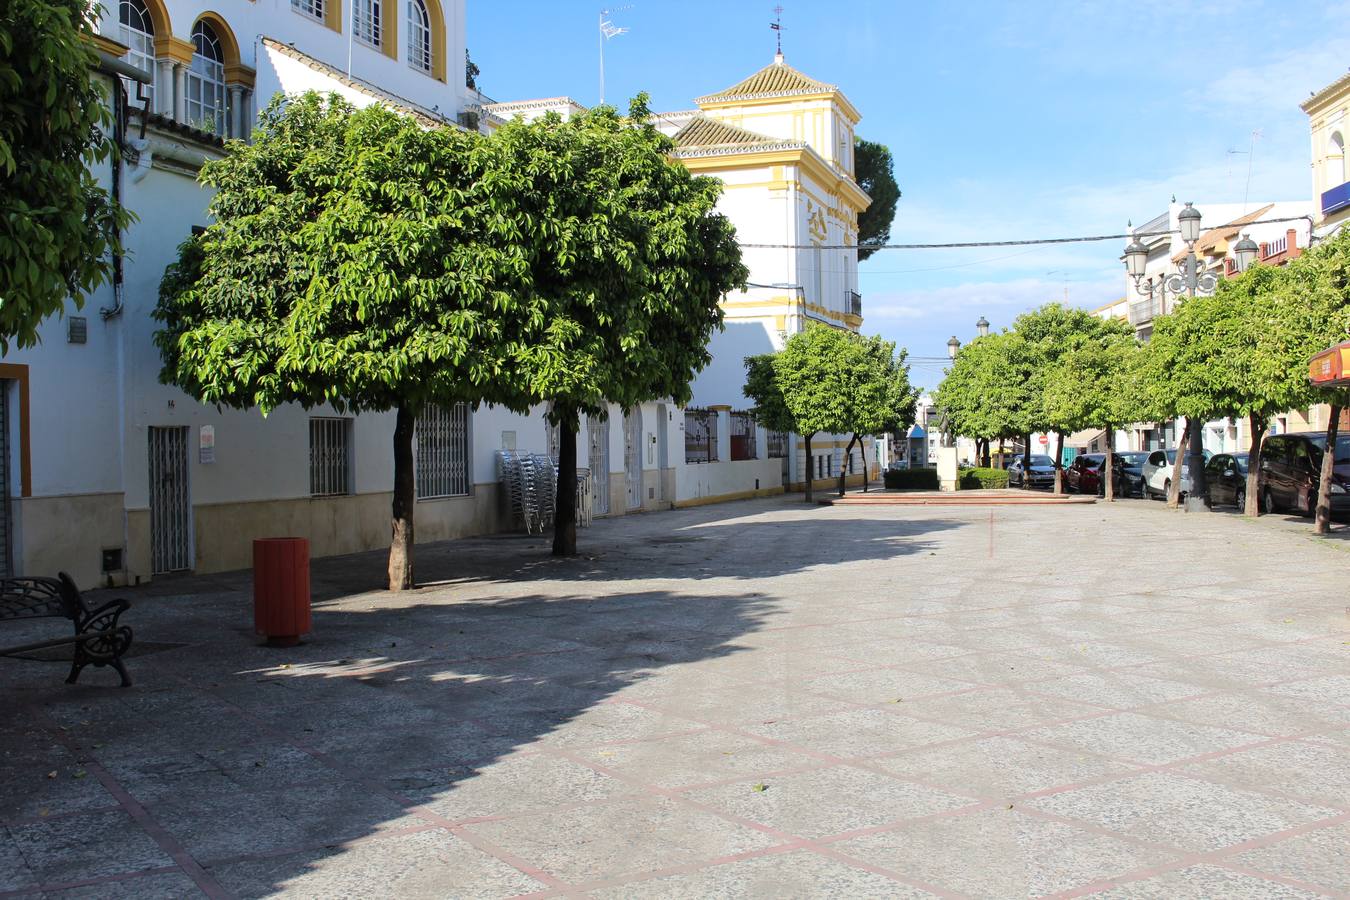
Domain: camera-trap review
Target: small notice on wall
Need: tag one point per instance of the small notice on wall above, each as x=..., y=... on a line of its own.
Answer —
x=207, y=445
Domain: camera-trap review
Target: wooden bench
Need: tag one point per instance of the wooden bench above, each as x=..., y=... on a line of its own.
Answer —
x=98, y=638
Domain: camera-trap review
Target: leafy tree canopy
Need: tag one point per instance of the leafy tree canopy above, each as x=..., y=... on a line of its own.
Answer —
x=875, y=173
x=57, y=225
x=988, y=391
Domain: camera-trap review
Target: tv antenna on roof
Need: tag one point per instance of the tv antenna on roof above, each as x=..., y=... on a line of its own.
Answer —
x=608, y=30
x=777, y=26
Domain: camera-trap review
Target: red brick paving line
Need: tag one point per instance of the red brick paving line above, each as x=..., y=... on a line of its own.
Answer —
x=161, y=836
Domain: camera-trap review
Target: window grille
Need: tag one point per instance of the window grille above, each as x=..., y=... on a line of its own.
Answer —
x=315, y=9
x=136, y=30
x=443, y=451
x=366, y=22
x=700, y=436
x=206, y=81
x=743, y=436
x=419, y=36
x=329, y=456
x=777, y=442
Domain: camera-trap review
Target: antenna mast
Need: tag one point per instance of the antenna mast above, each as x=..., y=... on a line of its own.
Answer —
x=777, y=26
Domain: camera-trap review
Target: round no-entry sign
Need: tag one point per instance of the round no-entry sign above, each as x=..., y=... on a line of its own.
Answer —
x=1045, y=439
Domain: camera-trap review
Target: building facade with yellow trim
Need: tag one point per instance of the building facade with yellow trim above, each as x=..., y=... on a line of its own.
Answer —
x=1328, y=112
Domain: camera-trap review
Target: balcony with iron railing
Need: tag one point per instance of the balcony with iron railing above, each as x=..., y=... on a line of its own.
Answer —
x=1144, y=311
x=853, y=303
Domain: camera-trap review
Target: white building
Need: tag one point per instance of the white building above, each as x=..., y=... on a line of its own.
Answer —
x=112, y=476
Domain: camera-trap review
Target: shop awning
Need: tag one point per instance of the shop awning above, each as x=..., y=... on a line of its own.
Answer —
x=1331, y=367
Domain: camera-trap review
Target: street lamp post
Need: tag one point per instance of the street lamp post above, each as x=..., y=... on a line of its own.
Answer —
x=1192, y=282
x=982, y=327
x=949, y=440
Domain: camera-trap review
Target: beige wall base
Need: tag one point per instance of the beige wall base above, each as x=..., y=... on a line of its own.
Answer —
x=67, y=534
x=726, y=498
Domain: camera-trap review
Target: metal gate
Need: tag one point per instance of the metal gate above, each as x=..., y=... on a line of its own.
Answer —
x=632, y=455
x=597, y=433
x=170, y=502
x=4, y=479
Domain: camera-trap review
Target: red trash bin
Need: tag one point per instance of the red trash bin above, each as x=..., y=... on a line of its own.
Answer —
x=281, y=589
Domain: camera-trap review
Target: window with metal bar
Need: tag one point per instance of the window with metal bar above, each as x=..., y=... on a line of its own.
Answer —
x=366, y=22
x=777, y=444
x=700, y=436
x=443, y=451
x=136, y=30
x=315, y=9
x=329, y=456
x=419, y=37
x=743, y=436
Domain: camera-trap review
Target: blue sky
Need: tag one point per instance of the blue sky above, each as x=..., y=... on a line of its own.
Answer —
x=1006, y=121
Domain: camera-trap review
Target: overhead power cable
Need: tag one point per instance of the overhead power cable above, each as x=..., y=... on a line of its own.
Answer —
x=1084, y=239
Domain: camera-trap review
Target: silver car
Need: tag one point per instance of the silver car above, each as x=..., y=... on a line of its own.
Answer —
x=1157, y=474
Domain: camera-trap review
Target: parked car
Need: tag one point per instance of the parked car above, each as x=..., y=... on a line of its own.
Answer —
x=1042, y=473
x=1130, y=482
x=1291, y=468
x=1157, y=474
x=1084, y=475
x=1226, y=479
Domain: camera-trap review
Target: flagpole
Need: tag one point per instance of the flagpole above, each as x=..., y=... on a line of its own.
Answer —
x=601, y=32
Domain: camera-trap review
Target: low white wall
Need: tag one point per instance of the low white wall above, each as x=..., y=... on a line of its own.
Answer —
x=706, y=481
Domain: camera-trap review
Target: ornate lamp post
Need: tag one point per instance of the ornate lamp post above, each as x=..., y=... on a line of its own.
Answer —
x=1192, y=282
x=982, y=327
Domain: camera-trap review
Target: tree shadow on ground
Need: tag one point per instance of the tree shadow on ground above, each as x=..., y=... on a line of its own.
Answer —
x=406, y=718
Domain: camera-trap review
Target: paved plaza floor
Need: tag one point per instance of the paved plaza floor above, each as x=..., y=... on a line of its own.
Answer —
x=758, y=699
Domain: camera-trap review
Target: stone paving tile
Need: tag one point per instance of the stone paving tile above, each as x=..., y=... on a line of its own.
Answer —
x=1180, y=812
x=995, y=709
x=793, y=876
x=1317, y=857
x=624, y=837
x=748, y=704
x=698, y=758
x=1011, y=854
x=999, y=767
x=826, y=802
x=1333, y=689
x=426, y=864
x=160, y=886
x=520, y=784
x=1142, y=738
x=858, y=732
x=880, y=686
x=14, y=870
x=996, y=668
x=1261, y=713
x=1204, y=883
x=74, y=848
x=1310, y=772
x=1115, y=690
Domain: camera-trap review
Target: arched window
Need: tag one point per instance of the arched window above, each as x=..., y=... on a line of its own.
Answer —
x=1335, y=166
x=136, y=29
x=366, y=22
x=419, y=37
x=206, y=81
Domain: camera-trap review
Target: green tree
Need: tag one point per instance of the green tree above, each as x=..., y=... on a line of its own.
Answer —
x=882, y=402
x=875, y=173
x=357, y=259
x=1050, y=333
x=1313, y=310
x=58, y=227
x=986, y=393
x=629, y=260
x=817, y=383
x=1096, y=386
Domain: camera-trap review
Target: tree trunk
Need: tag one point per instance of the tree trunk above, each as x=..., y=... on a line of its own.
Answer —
x=1258, y=426
x=1323, y=524
x=810, y=468
x=565, y=504
x=1059, y=462
x=843, y=469
x=1174, y=493
x=405, y=499
x=1026, y=463
x=1108, y=470
x=984, y=459
x=1002, y=455
x=1195, y=467
x=862, y=449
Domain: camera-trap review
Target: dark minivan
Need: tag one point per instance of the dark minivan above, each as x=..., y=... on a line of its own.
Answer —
x=1291, y=466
